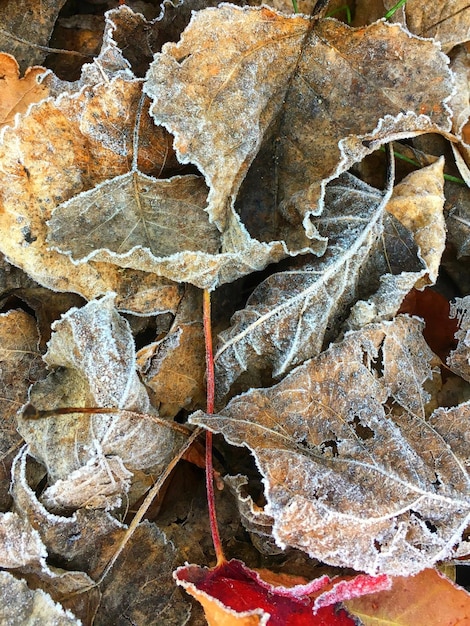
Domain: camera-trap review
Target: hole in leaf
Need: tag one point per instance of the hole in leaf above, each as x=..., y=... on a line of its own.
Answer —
x=329, y=448
x=363, y=432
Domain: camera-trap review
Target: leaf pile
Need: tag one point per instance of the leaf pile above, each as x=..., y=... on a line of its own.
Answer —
x=313, y=176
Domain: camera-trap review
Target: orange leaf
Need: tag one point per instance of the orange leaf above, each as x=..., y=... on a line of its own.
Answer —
x=427, y=598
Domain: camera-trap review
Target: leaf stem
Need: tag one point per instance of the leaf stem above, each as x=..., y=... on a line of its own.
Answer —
x=206, y=307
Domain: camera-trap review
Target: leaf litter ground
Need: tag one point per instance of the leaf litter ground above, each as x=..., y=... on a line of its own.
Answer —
x=237, y=149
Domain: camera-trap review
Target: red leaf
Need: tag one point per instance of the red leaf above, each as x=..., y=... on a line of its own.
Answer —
x=237, y=595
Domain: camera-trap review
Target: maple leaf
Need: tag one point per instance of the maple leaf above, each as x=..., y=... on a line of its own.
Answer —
x=354, y=473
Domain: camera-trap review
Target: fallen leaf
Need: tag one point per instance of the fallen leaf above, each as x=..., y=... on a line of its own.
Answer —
x=232, y=594
x=20, y=365
x=92, y=354
x=291, y=88
x=445, y=21
x=434, y=309
x=354, y=475
x=418, y=203
x=16, y=94
x=46, y=161
x=140, y=588
x=26, y=28
x=173, y=367
x=427, y=598
x=459, y=359
x=20, y=544
x=21, y=605
x=292, y=314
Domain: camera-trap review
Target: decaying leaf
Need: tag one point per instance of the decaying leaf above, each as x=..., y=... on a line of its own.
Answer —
x=26, y=26
x=354, y=473
x=173, y=367
x=249, y=80
x=141, y=589
x=445, y=21
x=16, y=93
x=418, y=202
x=21, y=605
x=459, y=359
x=92, y=353
x=20, y=544
x=289, y=317
x=46, y=161
x=427, y=598
x=20, y=365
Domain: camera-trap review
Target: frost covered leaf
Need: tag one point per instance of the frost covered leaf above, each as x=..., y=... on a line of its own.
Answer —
x=174, y=367
x=444, y=20
x=290, y=315
x=459, y=359
x=97, y=485
x=427, y=598
x=20, y=544
x=31, y=21
x=80, y=539
x=20, y=365
x=249, y=80
x=233, y=594
x=21, y=605
x=16, y=93
x=65, y=146
x=92, y=351
x=354, y=473
x=140, y=589
x=418, y=203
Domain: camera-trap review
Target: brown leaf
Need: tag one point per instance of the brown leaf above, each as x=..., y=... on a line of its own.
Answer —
x=354, y=474
x=427, y=598
x=92, y=351
x=20, y=544
x=21, y=605
x=174, y=366
x=459, y=359
x=445, y=21
x=305, y=116
x=20, y=365
x=140, y=588
x=47, y=159
x=26, y=26
x=16, y=94
x=418, y=203
x=292, y=314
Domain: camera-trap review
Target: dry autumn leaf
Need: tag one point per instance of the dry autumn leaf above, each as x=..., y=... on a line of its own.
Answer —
x=249, y=80
x=427, y=598
x=354, y=473
x=46, y=159
x=92, y=353
x=205, y=143
x=16, y=94
x=370, y=262
x=459, y=359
